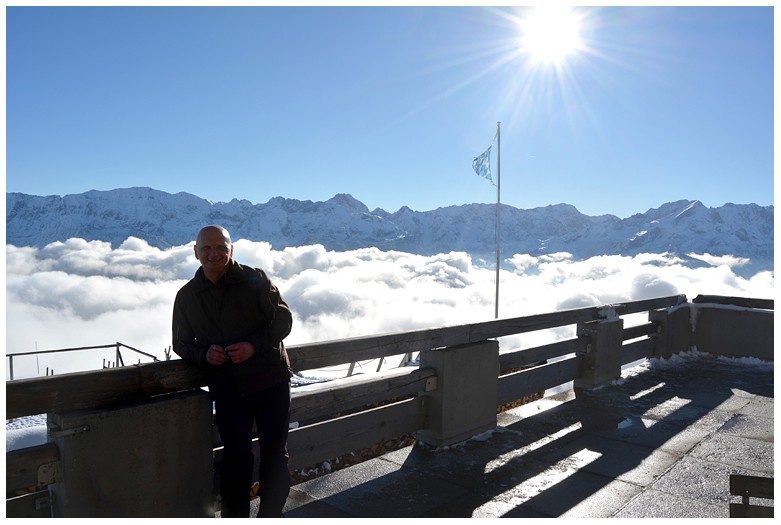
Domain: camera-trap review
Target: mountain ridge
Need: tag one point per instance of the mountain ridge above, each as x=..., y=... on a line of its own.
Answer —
x=344, y=223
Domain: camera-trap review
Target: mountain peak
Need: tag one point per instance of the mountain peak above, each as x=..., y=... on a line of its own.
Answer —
x=348, y=201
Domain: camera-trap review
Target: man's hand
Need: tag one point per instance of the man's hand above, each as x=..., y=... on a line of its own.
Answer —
x=240, y=352
x=216, y=355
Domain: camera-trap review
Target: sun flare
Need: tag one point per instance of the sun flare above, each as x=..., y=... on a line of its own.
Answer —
x=549, y=34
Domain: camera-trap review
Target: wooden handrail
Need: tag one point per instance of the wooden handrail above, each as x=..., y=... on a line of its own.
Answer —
x=99, y=388
x=320, y=355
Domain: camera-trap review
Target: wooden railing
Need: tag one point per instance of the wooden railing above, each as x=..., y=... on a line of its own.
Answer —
x=344, y=415
x=110, y=387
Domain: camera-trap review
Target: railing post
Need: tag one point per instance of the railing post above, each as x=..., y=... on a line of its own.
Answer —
x=119, y=360
x=675, y=332
x=601, y=352
x=464, y=402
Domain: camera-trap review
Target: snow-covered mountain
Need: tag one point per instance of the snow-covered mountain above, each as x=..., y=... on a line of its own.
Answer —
x=344, y=223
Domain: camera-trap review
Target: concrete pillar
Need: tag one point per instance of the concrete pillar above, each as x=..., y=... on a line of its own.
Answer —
x=150, y=459
x=465, y=400
x=601, y=354
x=675, y=330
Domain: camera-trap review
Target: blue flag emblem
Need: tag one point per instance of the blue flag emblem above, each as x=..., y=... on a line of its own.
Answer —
x=482, y=165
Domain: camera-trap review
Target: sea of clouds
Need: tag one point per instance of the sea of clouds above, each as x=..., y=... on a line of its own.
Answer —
x=80, y=293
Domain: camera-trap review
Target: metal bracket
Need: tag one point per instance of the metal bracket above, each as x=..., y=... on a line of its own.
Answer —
x=68, y=431
x=431, y=384
x=48, y=473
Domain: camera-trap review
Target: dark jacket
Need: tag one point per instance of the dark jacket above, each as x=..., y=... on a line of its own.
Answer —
x=244, y=306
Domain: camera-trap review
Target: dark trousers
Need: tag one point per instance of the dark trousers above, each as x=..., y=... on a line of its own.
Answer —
x=270, y=410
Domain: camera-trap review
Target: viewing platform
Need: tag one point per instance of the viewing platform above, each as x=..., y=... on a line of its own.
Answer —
x=660, y=443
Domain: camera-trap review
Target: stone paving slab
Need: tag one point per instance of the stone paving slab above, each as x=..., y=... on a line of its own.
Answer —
x=622, y=460
x=700, y=480
x=657, y=504
x=737, y=452
x=760, y=406
x=749, y=426
x=674, y=437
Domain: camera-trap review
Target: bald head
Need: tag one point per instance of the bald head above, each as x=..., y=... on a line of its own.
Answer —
x=211, y=230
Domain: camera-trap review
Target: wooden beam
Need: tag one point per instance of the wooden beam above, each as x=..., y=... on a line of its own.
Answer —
x=99, y=388
x=341, y=396
x=644, y=348
x=539, y=354
x=633, y=332
x=322, y=441
x=538, y=379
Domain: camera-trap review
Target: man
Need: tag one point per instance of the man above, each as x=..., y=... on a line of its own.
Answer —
x=230, y=319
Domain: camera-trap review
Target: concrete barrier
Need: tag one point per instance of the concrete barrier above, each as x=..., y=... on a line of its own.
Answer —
x=464, y=402
x=733, y=330
x=149, y=459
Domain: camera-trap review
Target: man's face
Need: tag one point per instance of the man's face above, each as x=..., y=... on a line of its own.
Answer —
x=213, y=250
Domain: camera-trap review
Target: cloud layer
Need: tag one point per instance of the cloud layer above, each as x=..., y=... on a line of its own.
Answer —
x=81, y=293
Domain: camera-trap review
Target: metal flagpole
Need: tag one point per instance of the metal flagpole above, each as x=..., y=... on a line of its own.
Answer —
x=498, y=189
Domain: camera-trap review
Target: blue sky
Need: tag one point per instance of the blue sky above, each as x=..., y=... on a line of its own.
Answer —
x=391, y=105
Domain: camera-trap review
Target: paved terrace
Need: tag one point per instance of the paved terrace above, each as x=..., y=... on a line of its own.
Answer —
x=660, y=443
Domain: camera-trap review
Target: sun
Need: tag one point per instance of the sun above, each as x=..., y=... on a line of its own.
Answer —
x=550, y=33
